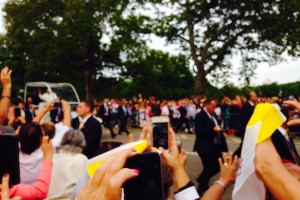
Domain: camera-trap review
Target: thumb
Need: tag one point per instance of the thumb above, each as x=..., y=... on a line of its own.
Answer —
x=293, y=122
x=5, y=187
x=130, y=137
x=117, y=181
x=165, y=154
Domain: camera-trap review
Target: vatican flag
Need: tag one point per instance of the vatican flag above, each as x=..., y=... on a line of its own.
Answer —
x=264, y=121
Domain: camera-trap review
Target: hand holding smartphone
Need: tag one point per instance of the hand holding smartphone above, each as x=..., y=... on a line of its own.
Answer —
x=148, y=185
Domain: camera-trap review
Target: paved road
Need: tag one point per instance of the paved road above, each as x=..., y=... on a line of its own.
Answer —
x=194, y=165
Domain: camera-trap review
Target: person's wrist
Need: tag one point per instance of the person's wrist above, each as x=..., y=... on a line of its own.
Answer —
x=221, y=183
x=6, y=85
x=226, y=182
x=181, y=177
x=48, y=157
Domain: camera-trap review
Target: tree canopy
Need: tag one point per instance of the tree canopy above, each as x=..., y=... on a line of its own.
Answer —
x=101, y=46
x=211, y=31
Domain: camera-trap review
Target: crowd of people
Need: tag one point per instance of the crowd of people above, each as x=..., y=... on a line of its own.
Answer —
x=53, y=155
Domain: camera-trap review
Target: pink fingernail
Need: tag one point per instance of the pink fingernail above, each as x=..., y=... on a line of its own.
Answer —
x=136, y=171
x=133, y=149
x=5, y=175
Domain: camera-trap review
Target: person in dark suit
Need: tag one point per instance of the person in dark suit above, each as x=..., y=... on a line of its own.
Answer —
x=29, y=110
x=184, y=119
x=105, y=115
x=123, y=118
x=247, y=111
x=90, y=127
x=209, y=144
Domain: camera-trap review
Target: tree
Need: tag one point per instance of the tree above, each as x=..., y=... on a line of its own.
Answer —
x=61, y=40
x=159, y=74
x=212, y=31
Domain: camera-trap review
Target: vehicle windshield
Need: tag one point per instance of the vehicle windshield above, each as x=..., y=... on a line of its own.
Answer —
x=62, y=91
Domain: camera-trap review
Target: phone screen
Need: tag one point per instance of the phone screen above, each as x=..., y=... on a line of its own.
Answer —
x=148, y=185
x=160, y=135
x=9, y=158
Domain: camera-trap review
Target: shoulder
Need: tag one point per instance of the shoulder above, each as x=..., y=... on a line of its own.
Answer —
x=76, y=119
x=94, y=120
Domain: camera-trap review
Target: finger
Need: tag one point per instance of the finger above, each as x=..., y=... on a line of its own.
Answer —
x=220, y=163
x=130, y=137
x=5, y=187
x=143, y=133
x=9, y=72
x=119, y=161
x=4, y=70
x=148, y=134
x=293, y=122
x=117, y=181
x=166, y=155
x=100, y=172
x=224, y=157
x=288, y=103
x=172, y=142
x=230, y=158
x=235, y=161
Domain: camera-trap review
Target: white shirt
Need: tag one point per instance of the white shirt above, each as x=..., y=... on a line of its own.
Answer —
x=191, y=110
x=48, y=97
x=282, y=131
x=189, y=193
x=250, y=102
x=30, y=166
x=85, y=119
x=64, y=179
x=176, y=113
x=165, y=111
x=210, y=116
x=60, y=130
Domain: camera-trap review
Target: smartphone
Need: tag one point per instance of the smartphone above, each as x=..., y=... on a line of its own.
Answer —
x=57, y=105
x=9, y=158
x=17, y=112
x=161, y=127
x=148, y=185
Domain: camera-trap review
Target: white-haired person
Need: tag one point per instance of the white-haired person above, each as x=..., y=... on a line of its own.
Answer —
x=68, y=165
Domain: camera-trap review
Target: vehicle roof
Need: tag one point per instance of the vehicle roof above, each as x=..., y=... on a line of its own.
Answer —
x=46, y=84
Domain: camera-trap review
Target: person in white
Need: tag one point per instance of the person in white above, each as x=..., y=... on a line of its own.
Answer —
x=30, y=155
x=64, y=179
x=165, y=109
x=48, y=96
x=62, y=127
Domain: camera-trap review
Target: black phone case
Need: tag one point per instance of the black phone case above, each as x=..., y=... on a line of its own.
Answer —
x=148, y=185
x=9, y=158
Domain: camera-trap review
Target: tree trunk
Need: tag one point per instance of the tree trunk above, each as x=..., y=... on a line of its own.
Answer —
x=88, y=80
x=200, y=84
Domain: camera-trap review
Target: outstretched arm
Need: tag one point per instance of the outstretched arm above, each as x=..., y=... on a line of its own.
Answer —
x=271, y=171
x=5, y=78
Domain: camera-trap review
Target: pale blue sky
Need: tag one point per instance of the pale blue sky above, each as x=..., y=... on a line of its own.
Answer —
x=288, y=71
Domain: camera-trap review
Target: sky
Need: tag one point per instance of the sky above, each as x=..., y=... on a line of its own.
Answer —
x=288, y=71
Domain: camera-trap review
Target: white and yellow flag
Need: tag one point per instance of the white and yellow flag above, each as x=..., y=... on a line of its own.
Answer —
x=264, y=121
